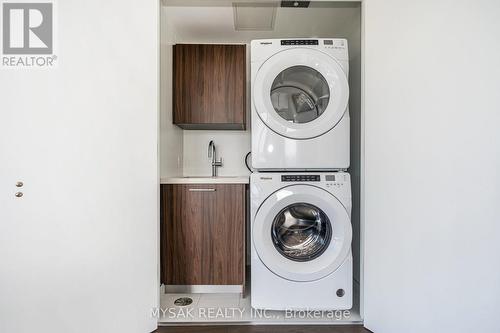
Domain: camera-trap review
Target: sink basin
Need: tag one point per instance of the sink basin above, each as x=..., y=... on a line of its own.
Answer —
x=206, y=180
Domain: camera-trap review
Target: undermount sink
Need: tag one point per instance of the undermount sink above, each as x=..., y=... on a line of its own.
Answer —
x=206, y=180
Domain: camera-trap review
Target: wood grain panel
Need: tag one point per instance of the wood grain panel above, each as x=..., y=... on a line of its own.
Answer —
x=203, y=234
x=226, y=235
x=209, y=86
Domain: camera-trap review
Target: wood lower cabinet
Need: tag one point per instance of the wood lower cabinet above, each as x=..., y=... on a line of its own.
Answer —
x=203, y=234
x=209, y=86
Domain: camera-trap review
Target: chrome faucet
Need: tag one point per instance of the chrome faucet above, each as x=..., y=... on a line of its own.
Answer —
x=212, y=154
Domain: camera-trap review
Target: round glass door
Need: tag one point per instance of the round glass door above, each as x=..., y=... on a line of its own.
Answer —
x=301, y=232
x=300, y=94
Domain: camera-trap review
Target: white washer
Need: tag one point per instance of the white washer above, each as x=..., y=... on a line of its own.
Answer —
x=301, y=241
x=300, y=94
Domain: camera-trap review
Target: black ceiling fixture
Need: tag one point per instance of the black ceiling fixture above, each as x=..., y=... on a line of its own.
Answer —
x=296, y=4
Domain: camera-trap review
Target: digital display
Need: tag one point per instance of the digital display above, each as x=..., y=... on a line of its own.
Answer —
x=300, y=178
x=330, y=178
x=299, y=42
x=328, y=42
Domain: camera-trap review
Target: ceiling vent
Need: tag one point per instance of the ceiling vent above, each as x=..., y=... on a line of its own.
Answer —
x=257, y=16
x=296, y=4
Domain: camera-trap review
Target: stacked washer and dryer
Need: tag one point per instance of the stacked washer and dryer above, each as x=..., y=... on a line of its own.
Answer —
x=300, y=193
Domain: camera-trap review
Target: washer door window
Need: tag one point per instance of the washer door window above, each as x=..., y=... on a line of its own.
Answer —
x=300, y=93
x=302, y=233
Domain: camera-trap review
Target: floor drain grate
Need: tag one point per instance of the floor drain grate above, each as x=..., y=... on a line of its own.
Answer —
x=183, y=301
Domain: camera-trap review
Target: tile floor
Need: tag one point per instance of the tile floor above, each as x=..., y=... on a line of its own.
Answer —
x=234, y=308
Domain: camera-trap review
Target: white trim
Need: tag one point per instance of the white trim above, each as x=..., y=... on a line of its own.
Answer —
x=362, y=169
x=158, y=158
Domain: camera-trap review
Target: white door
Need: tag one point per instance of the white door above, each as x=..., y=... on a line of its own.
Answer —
x=432, y=160
x=300, y=93
x=302, y=233
x=78, y=250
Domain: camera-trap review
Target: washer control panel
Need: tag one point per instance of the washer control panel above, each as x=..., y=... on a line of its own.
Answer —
x=330, y=178
x=300, y=178
x=334, y=43
x=299, y=42
x=335, y=181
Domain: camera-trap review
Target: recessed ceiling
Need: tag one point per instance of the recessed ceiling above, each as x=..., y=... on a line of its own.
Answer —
x=213, y=22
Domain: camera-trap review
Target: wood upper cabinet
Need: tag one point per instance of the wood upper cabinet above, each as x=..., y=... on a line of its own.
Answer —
x=209, y=86
x=203, y=234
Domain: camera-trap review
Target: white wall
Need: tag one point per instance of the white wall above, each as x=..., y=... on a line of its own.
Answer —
x=432, y=186
x=171, y=136
x=232, y=146
x=79, y=251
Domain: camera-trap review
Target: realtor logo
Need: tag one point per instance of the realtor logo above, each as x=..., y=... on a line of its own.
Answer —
x=28, y=34
x=27, y=28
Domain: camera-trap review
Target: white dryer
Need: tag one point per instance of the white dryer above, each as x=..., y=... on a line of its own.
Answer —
x=301, y=241
x=300, y=94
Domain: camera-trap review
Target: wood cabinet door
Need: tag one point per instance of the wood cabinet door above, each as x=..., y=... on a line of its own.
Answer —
x=209, y=86
x=203, y=234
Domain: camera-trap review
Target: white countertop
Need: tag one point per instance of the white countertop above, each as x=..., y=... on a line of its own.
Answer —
x=206, y=180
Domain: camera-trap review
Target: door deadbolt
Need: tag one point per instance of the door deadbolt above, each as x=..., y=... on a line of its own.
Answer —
x=19, y=184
